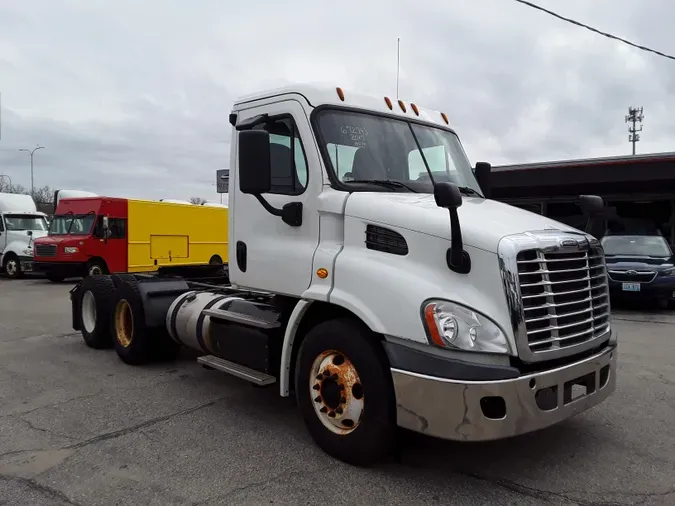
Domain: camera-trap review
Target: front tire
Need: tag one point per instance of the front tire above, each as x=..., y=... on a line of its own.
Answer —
x=345, y=393
x=96, y=268
x=11, y=266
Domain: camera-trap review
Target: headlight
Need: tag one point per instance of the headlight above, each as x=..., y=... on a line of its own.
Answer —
x=70, y=249
x=28, y=252
x=668, y=272
x=450, y=325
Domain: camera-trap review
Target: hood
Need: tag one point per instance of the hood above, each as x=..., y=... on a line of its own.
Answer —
x=484, y=222
x=637, y=263
x=21, y=235
x=58, y=239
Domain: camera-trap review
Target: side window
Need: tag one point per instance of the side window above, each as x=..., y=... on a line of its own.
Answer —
x=287, y=156
x=118, y=228
x=435, y=157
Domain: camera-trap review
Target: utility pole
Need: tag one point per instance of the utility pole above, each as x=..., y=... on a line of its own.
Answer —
x=634, y=116
x=31, y=151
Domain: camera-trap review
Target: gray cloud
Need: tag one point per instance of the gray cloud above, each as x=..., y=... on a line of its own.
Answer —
x=132, y=99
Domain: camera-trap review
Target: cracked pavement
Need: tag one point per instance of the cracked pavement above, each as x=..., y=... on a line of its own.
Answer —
x=78, y=427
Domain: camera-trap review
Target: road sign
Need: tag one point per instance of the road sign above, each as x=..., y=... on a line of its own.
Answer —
x=222, y=180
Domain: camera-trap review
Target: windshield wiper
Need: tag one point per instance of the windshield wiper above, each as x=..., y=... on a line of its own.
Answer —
x=468, y=191
x=384, y=182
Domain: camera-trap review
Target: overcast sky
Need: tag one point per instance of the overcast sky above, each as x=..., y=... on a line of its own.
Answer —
x=132, y=98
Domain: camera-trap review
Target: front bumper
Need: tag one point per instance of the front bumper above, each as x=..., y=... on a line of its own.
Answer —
x=486, y=410
x=61, y=269
x=26, y=263
x=659, y=288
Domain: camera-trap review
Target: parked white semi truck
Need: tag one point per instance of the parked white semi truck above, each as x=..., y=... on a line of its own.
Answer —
x=371, y=278
x=20, y=224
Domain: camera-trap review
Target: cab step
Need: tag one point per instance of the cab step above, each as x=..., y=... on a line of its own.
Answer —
x=256, y=377
x=244, y=319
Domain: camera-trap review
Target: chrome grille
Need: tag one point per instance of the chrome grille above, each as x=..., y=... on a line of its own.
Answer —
x=632, y=276
x=45, y=250
x=564, y=297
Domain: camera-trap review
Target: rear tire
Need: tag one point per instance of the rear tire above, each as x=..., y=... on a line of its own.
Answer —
x=96, y=302
x=345, y=393
x=135, y=342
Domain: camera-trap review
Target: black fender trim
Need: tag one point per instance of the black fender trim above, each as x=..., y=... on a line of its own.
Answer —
x=412, y=360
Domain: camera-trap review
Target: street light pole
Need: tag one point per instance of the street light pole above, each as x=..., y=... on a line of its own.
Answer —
x=32, y=185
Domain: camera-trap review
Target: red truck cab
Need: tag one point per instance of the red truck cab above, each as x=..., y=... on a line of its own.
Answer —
x=76, y=245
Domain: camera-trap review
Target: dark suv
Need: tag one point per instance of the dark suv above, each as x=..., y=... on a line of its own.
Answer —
x=640, y=266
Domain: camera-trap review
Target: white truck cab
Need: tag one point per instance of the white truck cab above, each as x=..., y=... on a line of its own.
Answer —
x=20, y=224
x=371, y=276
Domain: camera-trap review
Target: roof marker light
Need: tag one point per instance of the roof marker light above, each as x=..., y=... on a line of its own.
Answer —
x=445, y=118
x=340, y=94
x=388, y=102
x=415, y=109
x=401, y=105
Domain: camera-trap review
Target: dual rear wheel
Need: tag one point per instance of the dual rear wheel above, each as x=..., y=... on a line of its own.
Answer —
x=112, y=316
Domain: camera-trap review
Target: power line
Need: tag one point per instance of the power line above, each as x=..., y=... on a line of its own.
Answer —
x=595, y=30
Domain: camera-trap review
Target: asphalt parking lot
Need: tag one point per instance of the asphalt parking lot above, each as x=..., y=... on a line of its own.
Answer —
x=78, y=427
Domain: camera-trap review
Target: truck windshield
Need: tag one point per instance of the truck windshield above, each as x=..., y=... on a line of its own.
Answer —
x=25, y=222
x=72, y=224
x=636, y=245
x=366, y=147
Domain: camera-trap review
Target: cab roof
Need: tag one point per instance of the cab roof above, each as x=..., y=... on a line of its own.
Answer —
x=317, y=95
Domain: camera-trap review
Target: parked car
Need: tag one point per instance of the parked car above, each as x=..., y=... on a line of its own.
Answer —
x=640, y=266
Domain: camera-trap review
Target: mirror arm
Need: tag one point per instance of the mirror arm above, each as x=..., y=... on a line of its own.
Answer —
x=290, y=214
x=268, y=207
x=456, y=257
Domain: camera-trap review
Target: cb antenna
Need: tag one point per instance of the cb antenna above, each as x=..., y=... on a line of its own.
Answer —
x=398, y=62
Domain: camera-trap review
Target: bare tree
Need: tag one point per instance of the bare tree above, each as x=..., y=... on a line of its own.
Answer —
x=44, y=195
x=197, y=200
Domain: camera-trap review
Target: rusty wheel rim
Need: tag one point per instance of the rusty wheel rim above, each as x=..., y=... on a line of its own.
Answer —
x=336, y=392
x=124, y=323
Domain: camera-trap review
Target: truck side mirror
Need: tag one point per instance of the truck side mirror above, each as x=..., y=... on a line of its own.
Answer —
x=255, y=170
x=106, y=223
x=593, y=207
x=448, y=196
x=482, y=173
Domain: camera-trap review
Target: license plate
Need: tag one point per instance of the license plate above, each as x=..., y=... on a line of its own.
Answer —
x=631, y=287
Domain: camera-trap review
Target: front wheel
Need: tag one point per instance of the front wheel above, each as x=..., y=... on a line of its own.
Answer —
x=345, y=393
x=12, y=266
x=96, y=268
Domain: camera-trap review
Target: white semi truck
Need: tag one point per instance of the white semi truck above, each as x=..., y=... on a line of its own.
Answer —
x=20, y=224
x=372, y=279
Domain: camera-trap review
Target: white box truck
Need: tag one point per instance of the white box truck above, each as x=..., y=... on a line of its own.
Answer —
x=371, y=278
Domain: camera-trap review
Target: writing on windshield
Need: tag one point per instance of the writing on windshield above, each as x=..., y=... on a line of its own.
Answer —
x=72, y=224
x=364, y=147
